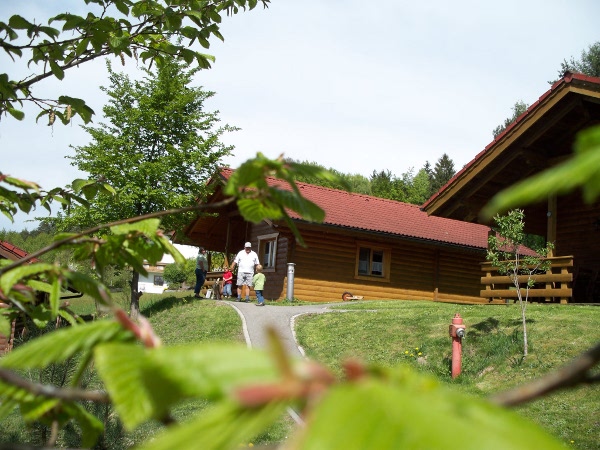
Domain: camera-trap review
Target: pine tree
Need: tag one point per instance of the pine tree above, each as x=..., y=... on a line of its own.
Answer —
x=442, y=172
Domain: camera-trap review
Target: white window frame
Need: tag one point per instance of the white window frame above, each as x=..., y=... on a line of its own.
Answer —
x=263, y=241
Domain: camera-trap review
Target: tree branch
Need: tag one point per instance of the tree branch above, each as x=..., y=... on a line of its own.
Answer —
x=84, y=233
x=70, y=394
x=576, y=372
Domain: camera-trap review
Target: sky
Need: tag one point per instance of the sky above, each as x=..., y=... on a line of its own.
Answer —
x=352, y=85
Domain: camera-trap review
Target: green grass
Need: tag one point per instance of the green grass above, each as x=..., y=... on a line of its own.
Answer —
x=389, y=333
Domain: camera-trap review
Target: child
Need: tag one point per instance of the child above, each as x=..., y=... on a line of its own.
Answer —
x=227, y=283
x=258, y=281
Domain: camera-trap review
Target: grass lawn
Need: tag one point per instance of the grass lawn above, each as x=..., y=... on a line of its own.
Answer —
x=416, y=333
x=391, y=333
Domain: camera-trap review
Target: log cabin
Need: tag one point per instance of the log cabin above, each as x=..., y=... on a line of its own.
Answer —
x=540, y=138
x=368, y=247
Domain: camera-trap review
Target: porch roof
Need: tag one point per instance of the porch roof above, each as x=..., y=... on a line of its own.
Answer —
x=540, y=138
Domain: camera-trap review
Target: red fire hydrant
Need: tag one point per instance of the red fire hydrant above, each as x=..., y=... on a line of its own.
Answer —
x=457, y=332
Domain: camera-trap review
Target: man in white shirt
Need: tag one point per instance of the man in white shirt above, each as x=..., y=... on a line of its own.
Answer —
x=246, y=260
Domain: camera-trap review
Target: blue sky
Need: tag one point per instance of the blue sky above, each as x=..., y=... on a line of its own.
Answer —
x=357, y=86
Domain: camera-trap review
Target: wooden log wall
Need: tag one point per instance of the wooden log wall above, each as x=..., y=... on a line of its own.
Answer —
x=578, y=234
x=275, y=287
x=579, y=227
x=325, y=270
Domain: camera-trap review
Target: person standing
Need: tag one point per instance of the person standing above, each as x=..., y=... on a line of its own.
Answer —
x=246, y=261
x=227, y=283
x=259, y=284
x=201, y=269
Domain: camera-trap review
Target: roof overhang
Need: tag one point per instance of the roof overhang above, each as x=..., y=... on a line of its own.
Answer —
x=540, y=138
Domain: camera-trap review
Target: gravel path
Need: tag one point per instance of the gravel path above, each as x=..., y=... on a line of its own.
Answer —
x=255, y=319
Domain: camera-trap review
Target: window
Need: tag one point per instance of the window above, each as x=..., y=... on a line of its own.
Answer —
x=158, y=280
x=267, y=251
x=372, y=261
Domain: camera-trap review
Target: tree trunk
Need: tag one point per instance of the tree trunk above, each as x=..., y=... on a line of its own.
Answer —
x=523, y=304
x=135, y=296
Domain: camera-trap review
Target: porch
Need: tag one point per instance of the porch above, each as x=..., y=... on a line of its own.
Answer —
x=555, y=285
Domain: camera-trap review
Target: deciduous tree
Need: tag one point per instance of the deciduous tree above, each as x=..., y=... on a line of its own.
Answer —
x=157, y=150
x=519, y=108
x=588, y=64
x=507, y=252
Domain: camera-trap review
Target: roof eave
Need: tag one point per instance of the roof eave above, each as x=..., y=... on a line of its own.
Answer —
x=569, y=83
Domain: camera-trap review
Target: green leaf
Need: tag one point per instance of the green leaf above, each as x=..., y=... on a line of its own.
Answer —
x=40, y=286
x=91, y=427
x=122, y=7
x=61, y=199
x=78, y=106
x=35, y=408
x=147, y=227
x=224, y=426
x=88, y=285
x=78, y=184
x=52, y=32
x=90, y=191
x=109, y=189
x=14, y=276
x=172, y=250
x=122, y=368
x=82, y=46
x=62, y=344
x=255, y=210
x=404, y=416
x=23, y=184
x=16, y=113
x=40, y=316
x=19, y=23
x=7, y=406
x=69, y=318
x=5, y=325
x=212, y=370
x=305, y=208
x=146, y=383
x=312, y=171
x=55, y=298
x=56, y=69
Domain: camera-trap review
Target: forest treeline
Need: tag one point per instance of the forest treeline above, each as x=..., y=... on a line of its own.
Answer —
x=409, y=187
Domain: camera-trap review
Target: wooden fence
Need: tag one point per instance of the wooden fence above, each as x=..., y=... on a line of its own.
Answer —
x=555, y=283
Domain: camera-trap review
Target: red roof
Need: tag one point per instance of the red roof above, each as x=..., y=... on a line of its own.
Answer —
x=378, y=215
x=12, y=252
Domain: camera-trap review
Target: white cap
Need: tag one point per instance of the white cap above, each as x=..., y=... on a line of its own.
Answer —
x=247, y=244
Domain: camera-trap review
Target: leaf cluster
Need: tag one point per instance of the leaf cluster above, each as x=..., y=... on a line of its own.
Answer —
x=146, y=30
x=266, y=188
x=22, y=195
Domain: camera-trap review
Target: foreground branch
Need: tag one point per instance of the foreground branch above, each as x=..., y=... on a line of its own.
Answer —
x=70, y=394
x=576, y=372
x=75, y=237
